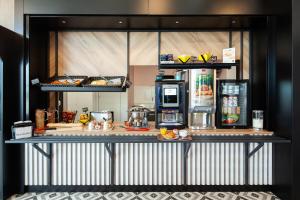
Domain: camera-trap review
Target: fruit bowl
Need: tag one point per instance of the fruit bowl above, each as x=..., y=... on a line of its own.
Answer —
x=184, y=58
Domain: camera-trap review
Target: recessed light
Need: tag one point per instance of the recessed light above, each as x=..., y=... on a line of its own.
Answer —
x=177, y=22
x=233, y=21
x=63, y=22
x=120, y=22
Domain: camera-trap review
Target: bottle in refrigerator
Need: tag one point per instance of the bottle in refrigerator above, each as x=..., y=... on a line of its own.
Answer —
x=232, y=98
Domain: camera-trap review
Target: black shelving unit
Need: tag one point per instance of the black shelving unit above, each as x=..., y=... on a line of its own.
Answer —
x=199, y=65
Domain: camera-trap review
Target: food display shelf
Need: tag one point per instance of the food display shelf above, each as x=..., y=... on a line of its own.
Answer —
x=215, y=65
x=84, y=85
x=82, y=89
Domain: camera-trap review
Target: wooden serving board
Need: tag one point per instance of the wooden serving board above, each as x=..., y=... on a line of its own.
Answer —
x=64, y=125
x=235, y=132
x=187, y=138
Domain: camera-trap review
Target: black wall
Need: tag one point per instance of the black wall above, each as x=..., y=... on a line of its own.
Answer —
x=11, y=53
x=276, y=61
x=38, y=59
x=296, y=100
x=281, y=94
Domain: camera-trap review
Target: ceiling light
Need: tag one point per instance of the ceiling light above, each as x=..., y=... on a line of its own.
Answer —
x=177, y=22
x=63, y=22
x=120, y=22
x=233, y=21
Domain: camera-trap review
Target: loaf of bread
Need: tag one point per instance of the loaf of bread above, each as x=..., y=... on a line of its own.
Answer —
x=99, y=82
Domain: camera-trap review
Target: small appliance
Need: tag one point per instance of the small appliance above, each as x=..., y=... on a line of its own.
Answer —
x=170, y=103
x=102, y=116
x=138, y=117
x=201, y=102
x=233, y=104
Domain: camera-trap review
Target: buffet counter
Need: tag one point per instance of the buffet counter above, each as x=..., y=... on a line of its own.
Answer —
x=77, y=156
x=120, y=130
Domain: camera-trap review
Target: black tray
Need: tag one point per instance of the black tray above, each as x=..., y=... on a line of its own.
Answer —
x=87, y=82
x=62, y=78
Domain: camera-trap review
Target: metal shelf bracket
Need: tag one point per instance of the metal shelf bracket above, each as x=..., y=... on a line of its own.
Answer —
x=40, y=150
x=256, y=149
x=108, y=149
x=187, y=149
x=49, y=161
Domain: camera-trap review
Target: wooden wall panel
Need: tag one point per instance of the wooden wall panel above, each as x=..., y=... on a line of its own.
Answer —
x=92, y=53
x=246, y=56
x=194, y=43
x=143, y=48
x=7, y=13
x=105, y=53
x=52, y=54
x=236, y=43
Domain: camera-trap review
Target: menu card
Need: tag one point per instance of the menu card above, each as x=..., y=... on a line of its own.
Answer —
x=229, y=55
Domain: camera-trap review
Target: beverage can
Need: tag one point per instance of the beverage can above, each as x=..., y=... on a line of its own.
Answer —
x=236, y=89
x=169, y=57
x=163, y=57
x=229, y=110
x=225, y=101
x=238, y=110
x=230, y=89
x=230, y=101
x=224, y=89
x=225, y=110
x=234, y=101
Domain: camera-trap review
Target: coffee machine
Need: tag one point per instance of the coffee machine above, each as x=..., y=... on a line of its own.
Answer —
x=170, y=103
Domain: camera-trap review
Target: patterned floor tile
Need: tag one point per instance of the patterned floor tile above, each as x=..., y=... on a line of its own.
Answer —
x=257, y=196
x=221, y=195
x=120, y=196
x=153, y=196
x=53, y=196
x=146, y=196
x=86, y=196
x=187, y=195
x=26, y=196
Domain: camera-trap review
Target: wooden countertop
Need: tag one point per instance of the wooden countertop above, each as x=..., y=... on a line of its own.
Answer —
x=119, y=130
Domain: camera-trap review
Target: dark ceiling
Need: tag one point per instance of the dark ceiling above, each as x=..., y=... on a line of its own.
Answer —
x=145, y=22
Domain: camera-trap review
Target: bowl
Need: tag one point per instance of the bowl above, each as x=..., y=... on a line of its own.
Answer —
x=184, y=58
x=206, y=57
x=183, y=133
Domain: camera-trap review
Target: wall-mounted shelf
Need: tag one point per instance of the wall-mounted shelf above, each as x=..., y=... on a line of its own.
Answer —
x=216, y=65
x=82, y=89
x=83, y=86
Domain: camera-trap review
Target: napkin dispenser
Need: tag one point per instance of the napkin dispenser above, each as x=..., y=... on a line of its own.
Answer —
x=22, y=129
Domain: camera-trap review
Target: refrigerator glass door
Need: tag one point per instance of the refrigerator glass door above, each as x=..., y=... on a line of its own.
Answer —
x=233, y=102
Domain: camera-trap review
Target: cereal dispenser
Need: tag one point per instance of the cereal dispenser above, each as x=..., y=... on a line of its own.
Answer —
x=202, y=101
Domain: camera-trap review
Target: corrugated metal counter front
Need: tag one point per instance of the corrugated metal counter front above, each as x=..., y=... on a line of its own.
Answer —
x=138, y=158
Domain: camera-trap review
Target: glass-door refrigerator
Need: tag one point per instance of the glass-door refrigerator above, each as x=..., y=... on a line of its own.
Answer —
x=232, y=104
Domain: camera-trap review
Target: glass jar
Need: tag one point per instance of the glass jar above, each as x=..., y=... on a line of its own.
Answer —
x=258, y=119
x=40, y=118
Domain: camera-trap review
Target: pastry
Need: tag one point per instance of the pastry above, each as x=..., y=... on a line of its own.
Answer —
x=99, y=82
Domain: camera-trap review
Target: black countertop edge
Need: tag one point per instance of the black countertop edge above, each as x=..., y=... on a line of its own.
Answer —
x=148, y=139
